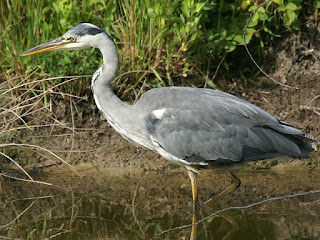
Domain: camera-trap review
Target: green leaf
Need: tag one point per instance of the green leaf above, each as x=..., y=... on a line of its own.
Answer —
x=267, y=30
x=253, y=23
x=248, y=38
x=316, y=4
x=278, y=1
x=289, y=17
x=230, y=37
x=296, y=24
x=157, y=74
x=263, y=16
x=239, y=38
x=281, y=8
x=250, y=31
x=252, y=8
x=292, y=15
x=261, y=10
x=223, y=32
x=255, y=17
x=291, y=6
x=185, y=8
x=207, y=7
x=199, y=6
x=230, y=46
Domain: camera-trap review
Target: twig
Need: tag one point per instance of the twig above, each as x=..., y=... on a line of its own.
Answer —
x=216, y=72
x=59, y=233
x=313, y=99
x=17, y=217
x=18, y=165
x=314, y=109
x=17, y=115
x=46, y=79
x=241, y=208
x=251, y=57
x=25, y=180
x=218, y=67
x=38, y=147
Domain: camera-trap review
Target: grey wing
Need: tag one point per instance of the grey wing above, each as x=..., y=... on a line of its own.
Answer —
x=236, y=134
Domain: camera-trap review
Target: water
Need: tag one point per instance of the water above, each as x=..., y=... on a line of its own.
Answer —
x=132, y=204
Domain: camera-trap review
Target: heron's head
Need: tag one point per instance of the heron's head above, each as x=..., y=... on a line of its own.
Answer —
x=82, y=36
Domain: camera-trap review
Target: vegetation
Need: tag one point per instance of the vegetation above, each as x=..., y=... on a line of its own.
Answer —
x=160, y=42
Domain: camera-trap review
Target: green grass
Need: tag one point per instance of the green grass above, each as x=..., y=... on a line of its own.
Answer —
x=160, y=42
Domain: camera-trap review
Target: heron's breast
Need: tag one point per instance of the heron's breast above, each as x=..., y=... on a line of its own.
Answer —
x=135, y=138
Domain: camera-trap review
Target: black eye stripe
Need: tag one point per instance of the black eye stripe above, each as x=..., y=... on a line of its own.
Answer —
x=83, y=29
x=94, y=31
x=90, y=31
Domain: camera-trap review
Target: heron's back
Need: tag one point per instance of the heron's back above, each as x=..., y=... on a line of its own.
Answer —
x=198, y=126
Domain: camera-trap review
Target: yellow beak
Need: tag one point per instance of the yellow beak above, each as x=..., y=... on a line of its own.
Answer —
x=56, y=44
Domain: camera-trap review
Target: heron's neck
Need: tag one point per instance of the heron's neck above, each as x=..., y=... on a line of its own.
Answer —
x=107, y=102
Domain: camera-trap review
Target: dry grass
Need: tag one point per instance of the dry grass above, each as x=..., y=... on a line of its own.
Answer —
x=22, y=102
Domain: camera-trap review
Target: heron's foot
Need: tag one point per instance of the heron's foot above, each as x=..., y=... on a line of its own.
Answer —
x=235, y=184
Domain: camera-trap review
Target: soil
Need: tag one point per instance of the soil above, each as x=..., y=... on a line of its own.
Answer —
x=83, y=135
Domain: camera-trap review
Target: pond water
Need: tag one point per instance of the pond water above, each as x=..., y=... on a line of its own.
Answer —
x=133, y=204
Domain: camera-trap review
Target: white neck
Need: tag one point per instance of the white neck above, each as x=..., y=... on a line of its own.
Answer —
x=119, y=114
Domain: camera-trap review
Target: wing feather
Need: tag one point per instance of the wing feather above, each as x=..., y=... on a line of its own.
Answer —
x=201, y=125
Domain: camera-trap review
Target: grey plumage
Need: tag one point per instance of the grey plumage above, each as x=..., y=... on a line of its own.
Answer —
x=202, y=125
x=81, y=30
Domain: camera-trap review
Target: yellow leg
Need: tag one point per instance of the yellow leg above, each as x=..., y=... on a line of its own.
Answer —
x=193, y=177
x=235, y=184
x=193, y=234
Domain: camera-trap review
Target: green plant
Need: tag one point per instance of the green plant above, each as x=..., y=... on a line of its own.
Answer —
x=289, y=11
x=160, y=42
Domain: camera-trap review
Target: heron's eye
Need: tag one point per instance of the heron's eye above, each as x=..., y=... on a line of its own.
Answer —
x=72, y=39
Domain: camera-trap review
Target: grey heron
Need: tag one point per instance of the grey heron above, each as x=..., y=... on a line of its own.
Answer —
x=192, y=127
